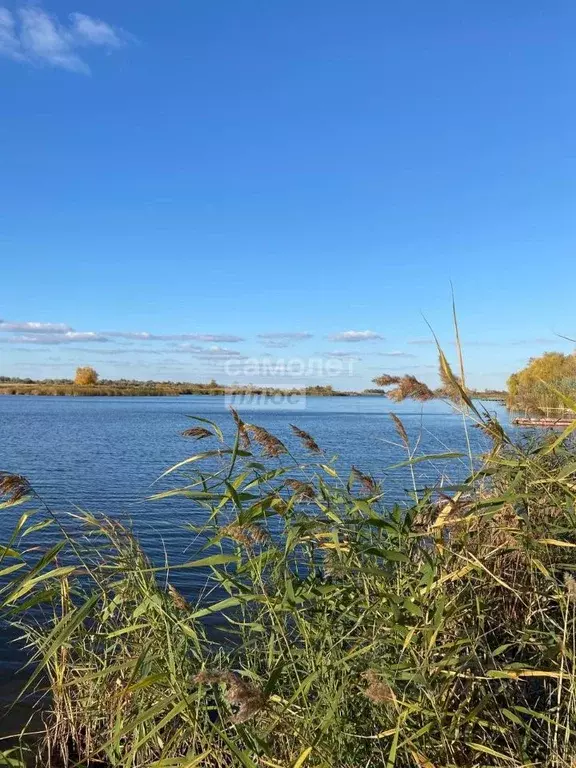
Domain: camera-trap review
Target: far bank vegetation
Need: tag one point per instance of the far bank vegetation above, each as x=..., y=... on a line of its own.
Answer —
x=545, y=386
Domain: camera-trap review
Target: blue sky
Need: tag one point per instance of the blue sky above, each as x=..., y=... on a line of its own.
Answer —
x=208, y=174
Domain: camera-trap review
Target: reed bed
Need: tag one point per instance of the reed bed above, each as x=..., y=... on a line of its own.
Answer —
x=333, y=631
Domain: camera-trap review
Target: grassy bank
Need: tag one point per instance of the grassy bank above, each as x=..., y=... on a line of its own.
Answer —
x=332, y=630
x=70, y=390
x=150, y=388
x=122, y=388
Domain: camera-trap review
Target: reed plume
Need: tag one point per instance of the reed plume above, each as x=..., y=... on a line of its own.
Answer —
x=304, y=490
x=14, y=487
x=306, y=439
x=451, y=384
x=197, y=432
x=385, y=380
x=245, y=697
x=410, y=388
x=249, y=535
x=378, y=691
x=270, y=444
x=179, y=600
x=407, y=387
x=367, y=482
x=400, y=429
x=241, y=427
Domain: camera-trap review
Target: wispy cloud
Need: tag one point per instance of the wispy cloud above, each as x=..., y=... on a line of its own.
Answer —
x=220, y=357
x=356, y=336
x=282, y=339
x=395, y=354
x=91, y=31
x=34, y=327
x=124, y=350
x=145, y=336
x=9, y=41
x=61, y=338
x=32, y=35
x=514, y=343
x=342, y=355
x=404, y=368
x=58, y=333
x=207, y=353
x=538, y=341
x=286, y=335
x=276, y=343
x=218, y=352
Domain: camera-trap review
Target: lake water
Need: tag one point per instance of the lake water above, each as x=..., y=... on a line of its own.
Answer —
x=103, y=453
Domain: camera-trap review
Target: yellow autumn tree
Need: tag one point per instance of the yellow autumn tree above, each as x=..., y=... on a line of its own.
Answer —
x=532, y=388
x=85, y=376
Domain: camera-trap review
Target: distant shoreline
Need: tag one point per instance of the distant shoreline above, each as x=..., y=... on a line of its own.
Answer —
x=165, y=389
x=165, y=392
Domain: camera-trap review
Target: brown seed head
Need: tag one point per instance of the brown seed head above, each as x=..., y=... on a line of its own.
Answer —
x=570, y=583
x=304, y=490
x=378, y=691
x=205, y=677
x=240, y=694
x=14, y=487
x=400, y=429
x=197, y=432
x=385, y=380
x=179, y=601
x=451, y=384
x=249, y=535
x=410, y=388
x=307, y=439
x=246, y=696
x=367, y=482
x=270, y=444
x=241, y=427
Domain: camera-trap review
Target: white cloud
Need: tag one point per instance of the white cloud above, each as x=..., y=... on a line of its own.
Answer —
x=145, y=336
x=61, y=332
x=286, y=336
x=186, y=348
x=45, y=40
x=282, y=339
x=492, y=343
x=34, y=36
x=55, y=338
x=220, y=357
x=395, y=354
x=356, y=336
x=516, y=343
x=34, y=327
x=213, y=337
x=342, y=355
x=125, y=351
x=276, y=343
x=94, y=31
x=9, y=42
x=203, y=353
